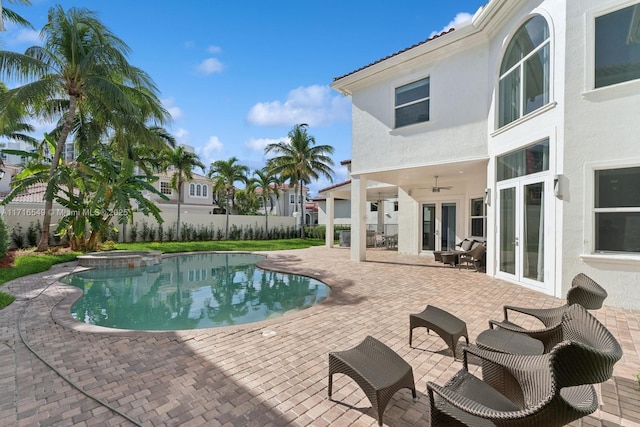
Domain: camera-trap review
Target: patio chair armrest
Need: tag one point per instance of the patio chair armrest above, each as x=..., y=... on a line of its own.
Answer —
x=548, y=316
x=468, y=405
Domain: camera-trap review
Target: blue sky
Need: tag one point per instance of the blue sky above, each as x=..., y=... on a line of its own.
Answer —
x=237, y=75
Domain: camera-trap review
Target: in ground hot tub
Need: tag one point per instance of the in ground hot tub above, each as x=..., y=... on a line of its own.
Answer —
x=120, y=259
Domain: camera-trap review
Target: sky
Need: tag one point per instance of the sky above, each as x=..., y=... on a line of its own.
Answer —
x=238, y=75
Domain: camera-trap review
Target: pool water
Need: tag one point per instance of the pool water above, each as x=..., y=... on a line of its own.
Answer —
x=191, y=292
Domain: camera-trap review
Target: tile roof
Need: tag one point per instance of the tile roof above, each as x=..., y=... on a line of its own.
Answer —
x=335, y=79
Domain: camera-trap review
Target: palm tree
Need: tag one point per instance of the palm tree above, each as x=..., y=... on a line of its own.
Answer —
x=11, y=16
x=183, y=162
x=225, y=173
x=301, y=160
x=11, y=124
x=81, y=69
x=268, y=183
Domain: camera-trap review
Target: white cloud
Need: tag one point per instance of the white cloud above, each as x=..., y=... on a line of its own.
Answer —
x=183, y=136
x=259, y=144
x=169, y=104
x=207, y=152
x=214, y=49
x=15, y=35
x=459, y=20
x=315, y=105
x=209, y=66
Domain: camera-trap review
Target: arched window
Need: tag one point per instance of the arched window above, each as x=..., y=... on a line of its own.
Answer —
x=524, y=72
x=199, y=190
x=204, y=190
x=192, y=189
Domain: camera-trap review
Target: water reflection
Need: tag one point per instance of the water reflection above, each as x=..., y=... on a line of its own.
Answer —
x=191, y=292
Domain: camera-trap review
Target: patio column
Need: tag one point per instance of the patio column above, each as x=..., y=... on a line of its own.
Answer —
x=380, y=227
x=358, y=218
x=330, y=212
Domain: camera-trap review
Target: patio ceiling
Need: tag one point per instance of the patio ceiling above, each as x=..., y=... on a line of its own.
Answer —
x=384, y=184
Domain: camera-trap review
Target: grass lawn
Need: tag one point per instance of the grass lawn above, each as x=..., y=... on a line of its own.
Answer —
x=28, y=262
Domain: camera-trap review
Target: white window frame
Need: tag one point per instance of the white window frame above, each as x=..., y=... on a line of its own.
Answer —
x=591, y=30
x=520, y=65
x=483, y=217
x=589, y=231
x=426, y=99
x=192, y=189
x=292, y=199
x=606, y=92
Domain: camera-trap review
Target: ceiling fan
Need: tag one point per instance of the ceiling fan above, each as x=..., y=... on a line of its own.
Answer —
x=436, y=188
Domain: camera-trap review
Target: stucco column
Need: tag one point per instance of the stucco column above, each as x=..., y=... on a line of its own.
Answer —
x=330, y=217
x=358, y=218
x=380, y=227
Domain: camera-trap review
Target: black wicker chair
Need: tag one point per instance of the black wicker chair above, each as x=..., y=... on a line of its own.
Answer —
x=584, y=291
x=557, y=386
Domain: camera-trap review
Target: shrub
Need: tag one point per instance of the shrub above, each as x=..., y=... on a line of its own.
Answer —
x=133, y=232
x=4, y=238
x=33, y=232
x=17, y=236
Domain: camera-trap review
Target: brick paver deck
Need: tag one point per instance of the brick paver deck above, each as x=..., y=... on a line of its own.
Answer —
x=235, y=376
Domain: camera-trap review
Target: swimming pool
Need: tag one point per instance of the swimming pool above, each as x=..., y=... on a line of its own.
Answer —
x=193, y=291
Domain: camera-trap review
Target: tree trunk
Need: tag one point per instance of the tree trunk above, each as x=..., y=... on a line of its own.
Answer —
x=178, y=221
x=302, y=203
x=43, y=245
x=266, y=218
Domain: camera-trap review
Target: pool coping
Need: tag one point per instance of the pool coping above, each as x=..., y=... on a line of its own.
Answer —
x=61, y=312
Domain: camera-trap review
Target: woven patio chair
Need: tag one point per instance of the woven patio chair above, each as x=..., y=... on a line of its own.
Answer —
x=376, y=368
x=475, y=256
x=557, y=386
x=584, y=291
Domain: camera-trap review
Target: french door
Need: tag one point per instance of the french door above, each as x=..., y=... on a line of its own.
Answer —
x=521, y=240
x=439, y=226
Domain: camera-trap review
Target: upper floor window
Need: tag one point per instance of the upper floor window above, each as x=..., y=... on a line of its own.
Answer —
x=617, y=47
x=373, y=207
x=524, y=72
x=165, y=188
x=198, y=190
x=617, y=210
x=412, y=103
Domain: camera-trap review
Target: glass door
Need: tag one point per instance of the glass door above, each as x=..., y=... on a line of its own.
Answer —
x=521, y=234
x=448, y=221
x=439, y=226
x=429, y=227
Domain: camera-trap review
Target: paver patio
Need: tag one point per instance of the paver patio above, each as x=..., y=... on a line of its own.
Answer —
x=235, y=376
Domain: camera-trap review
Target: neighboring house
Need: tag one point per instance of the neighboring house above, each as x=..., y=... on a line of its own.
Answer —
x=528, y=117
x=288, y=202
x=195, y=192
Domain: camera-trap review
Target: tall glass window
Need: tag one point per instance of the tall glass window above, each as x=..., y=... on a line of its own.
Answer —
x=617, y=47
x=617, y=210
x=524, y=72
x=412, y=103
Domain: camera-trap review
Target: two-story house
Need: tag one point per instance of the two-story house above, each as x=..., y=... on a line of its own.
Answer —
x=521, y=126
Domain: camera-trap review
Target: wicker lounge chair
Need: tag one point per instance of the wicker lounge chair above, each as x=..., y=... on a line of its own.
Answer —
x=584, y=291
x=474, y=256
x=557, y=386
x=376, y=368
